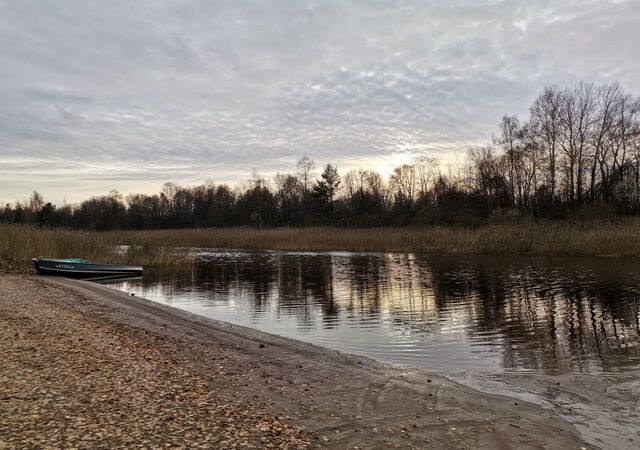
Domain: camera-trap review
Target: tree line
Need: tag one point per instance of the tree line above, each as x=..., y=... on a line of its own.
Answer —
x=577, y=154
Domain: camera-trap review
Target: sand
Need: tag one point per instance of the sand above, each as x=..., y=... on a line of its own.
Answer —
x=86, y=366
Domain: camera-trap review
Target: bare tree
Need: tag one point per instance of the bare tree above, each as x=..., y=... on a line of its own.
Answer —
x=533, y=161
x=545, y=129
x=608, y=99
x=36, y=202
x=305, y=166
x=289, y=192
x=488, y=177
x=426, y=173
x=404, y=184
x=365, y=192
x=511, y=134
x=169, y=190
x=577, y=117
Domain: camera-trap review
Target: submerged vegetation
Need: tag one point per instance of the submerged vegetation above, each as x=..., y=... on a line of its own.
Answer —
x=19, y=243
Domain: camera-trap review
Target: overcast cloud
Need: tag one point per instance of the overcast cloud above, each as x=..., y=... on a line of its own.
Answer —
x=101, y=95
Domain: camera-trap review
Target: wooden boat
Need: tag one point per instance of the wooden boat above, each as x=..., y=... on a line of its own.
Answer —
x=79, y=268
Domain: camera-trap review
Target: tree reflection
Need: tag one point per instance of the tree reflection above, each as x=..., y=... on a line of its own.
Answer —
x=548, y=314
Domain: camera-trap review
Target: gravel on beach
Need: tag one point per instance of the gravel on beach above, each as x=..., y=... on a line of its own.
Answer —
x=84, y=366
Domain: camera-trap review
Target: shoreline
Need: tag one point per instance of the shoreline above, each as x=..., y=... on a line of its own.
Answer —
x=314, y=396
x=18, y=244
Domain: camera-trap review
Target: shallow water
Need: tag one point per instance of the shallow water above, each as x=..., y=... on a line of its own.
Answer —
x=495, y=313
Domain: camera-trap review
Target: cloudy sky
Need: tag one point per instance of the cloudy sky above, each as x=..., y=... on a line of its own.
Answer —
x=101, y=95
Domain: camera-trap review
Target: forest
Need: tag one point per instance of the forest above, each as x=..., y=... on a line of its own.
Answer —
x=576, y=156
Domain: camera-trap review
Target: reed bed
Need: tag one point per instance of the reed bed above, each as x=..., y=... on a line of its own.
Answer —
x=18, y=244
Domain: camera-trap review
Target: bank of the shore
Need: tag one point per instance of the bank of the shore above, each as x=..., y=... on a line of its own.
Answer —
x=87, y=366
x=18, y=243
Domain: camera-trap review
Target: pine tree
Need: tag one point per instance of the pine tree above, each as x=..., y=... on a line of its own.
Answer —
x=327, y=187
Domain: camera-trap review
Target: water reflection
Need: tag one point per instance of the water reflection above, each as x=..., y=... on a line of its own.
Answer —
x=447, y=312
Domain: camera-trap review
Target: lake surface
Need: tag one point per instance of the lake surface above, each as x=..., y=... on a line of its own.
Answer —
x=495, y=313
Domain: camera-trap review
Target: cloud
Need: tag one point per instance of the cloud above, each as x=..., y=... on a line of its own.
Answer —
x=130, y=94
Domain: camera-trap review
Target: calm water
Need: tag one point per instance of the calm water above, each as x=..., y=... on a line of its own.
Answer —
x=552, y=315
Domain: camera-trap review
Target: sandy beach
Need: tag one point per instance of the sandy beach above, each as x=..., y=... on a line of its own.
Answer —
x=86, y=366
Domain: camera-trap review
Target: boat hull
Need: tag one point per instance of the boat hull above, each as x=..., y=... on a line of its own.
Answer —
x=83, y=269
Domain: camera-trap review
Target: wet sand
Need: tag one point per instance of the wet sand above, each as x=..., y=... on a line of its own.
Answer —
x=604, y=408
x=87, y=366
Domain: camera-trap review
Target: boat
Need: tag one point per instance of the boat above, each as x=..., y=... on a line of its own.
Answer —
x=80, y=268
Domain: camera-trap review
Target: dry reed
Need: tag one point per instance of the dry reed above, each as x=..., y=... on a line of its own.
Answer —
x=18, y=244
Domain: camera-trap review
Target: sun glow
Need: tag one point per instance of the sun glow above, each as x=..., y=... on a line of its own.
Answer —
x=385, y=165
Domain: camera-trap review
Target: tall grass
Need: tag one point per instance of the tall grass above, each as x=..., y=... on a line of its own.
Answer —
x=18, y=244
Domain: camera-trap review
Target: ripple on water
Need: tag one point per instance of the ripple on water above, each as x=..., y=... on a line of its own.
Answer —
x=551, y=315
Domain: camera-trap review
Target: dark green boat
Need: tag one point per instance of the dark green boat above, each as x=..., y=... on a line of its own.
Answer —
x=79, y=268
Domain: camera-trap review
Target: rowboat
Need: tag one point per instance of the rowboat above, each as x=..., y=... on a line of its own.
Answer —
x=79, y=268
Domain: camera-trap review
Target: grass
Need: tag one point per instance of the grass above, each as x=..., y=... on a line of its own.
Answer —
x=18, y=244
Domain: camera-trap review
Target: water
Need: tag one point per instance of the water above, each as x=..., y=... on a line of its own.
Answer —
x=446, y=313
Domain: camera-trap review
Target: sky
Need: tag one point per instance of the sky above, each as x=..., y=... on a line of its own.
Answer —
x=101, y=95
